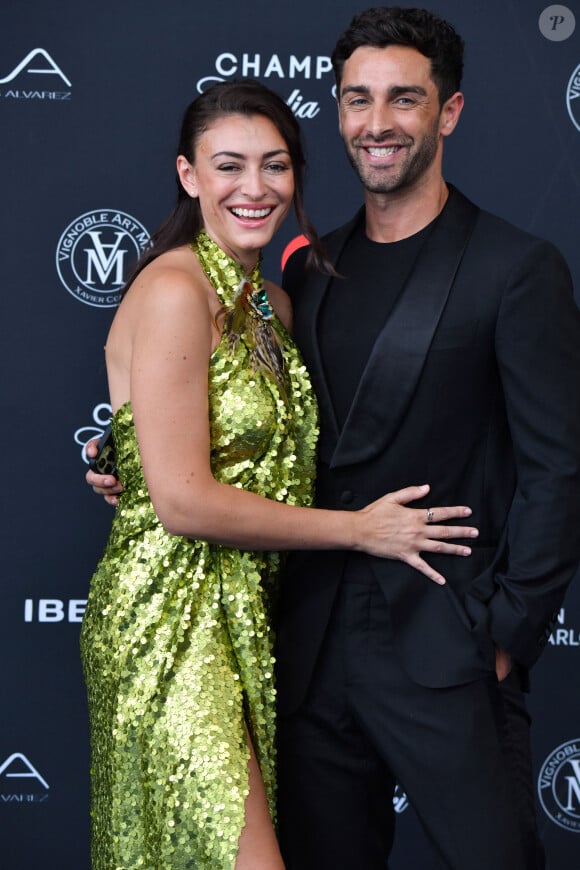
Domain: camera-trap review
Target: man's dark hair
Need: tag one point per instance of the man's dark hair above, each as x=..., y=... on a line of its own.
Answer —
x=416, y=28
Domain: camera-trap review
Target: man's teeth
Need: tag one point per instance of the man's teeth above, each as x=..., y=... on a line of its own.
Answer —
x=252, y=212
x=383, y=152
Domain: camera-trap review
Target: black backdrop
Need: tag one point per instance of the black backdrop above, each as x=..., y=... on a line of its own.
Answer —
x=90, y=100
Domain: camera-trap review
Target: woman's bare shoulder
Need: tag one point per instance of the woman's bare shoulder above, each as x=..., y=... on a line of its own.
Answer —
x=169, y=292
x=173, y=280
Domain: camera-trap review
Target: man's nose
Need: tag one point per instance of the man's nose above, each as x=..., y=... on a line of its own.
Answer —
x=380, y=120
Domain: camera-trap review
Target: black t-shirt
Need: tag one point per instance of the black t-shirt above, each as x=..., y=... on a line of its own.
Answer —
x=358, y=304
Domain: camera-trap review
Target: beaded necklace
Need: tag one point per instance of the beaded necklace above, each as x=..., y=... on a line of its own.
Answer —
x=247, y=310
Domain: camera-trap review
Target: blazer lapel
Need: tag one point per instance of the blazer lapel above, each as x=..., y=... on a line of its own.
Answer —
x=306, y=316
x=394, y=367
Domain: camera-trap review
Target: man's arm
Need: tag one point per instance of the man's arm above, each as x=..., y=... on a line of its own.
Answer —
x=538, y=352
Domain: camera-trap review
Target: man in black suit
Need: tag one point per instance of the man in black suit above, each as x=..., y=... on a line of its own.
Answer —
x=447, y=352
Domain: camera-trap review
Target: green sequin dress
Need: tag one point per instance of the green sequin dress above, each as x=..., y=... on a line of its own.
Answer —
x=176, y=640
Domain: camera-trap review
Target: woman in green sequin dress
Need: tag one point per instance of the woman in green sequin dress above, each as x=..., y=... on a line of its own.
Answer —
x=215, y=434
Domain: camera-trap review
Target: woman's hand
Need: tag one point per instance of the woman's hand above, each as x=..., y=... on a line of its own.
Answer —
x=103, y=484
x=390, y=530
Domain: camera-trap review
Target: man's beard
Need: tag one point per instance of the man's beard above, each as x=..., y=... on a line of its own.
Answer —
x=411, y=169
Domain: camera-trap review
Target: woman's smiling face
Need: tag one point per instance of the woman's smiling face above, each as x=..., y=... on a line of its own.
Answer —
x=243, y=177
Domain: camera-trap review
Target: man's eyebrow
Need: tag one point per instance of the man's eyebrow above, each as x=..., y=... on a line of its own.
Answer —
x=398, y=90
x=393, y=91
x=354, y=89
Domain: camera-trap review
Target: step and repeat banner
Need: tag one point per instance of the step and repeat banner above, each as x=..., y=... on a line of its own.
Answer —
x=91, y=97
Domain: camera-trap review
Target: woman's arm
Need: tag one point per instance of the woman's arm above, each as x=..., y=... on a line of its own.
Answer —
x=169, y=396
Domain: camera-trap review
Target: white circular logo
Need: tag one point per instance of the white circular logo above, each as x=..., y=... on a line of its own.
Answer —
x=557, y=23
x=95, y=254
x=573, y=97
x=559, y=786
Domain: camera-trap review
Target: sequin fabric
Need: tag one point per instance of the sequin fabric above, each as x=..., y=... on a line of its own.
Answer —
x=177, y=642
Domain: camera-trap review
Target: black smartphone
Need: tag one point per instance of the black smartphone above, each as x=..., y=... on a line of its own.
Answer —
x=105, y=462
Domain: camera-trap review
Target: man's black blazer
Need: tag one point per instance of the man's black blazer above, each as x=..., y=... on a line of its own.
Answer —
x=473, y=386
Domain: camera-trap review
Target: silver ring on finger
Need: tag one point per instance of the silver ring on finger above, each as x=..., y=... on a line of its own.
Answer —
x=430, y=515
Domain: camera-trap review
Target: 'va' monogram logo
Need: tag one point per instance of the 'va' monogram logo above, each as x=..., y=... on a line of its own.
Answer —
x=573, y=791
x=559, y=785
x=103, y=259
x=94, y=255
x=52, y=69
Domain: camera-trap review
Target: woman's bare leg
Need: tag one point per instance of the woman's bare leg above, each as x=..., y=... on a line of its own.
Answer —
x=258, y=848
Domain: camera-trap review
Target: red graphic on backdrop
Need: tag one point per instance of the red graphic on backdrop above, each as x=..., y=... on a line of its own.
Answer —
x=297, y=242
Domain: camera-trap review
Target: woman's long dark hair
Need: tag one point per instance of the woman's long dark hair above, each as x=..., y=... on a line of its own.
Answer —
x=248, y=98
